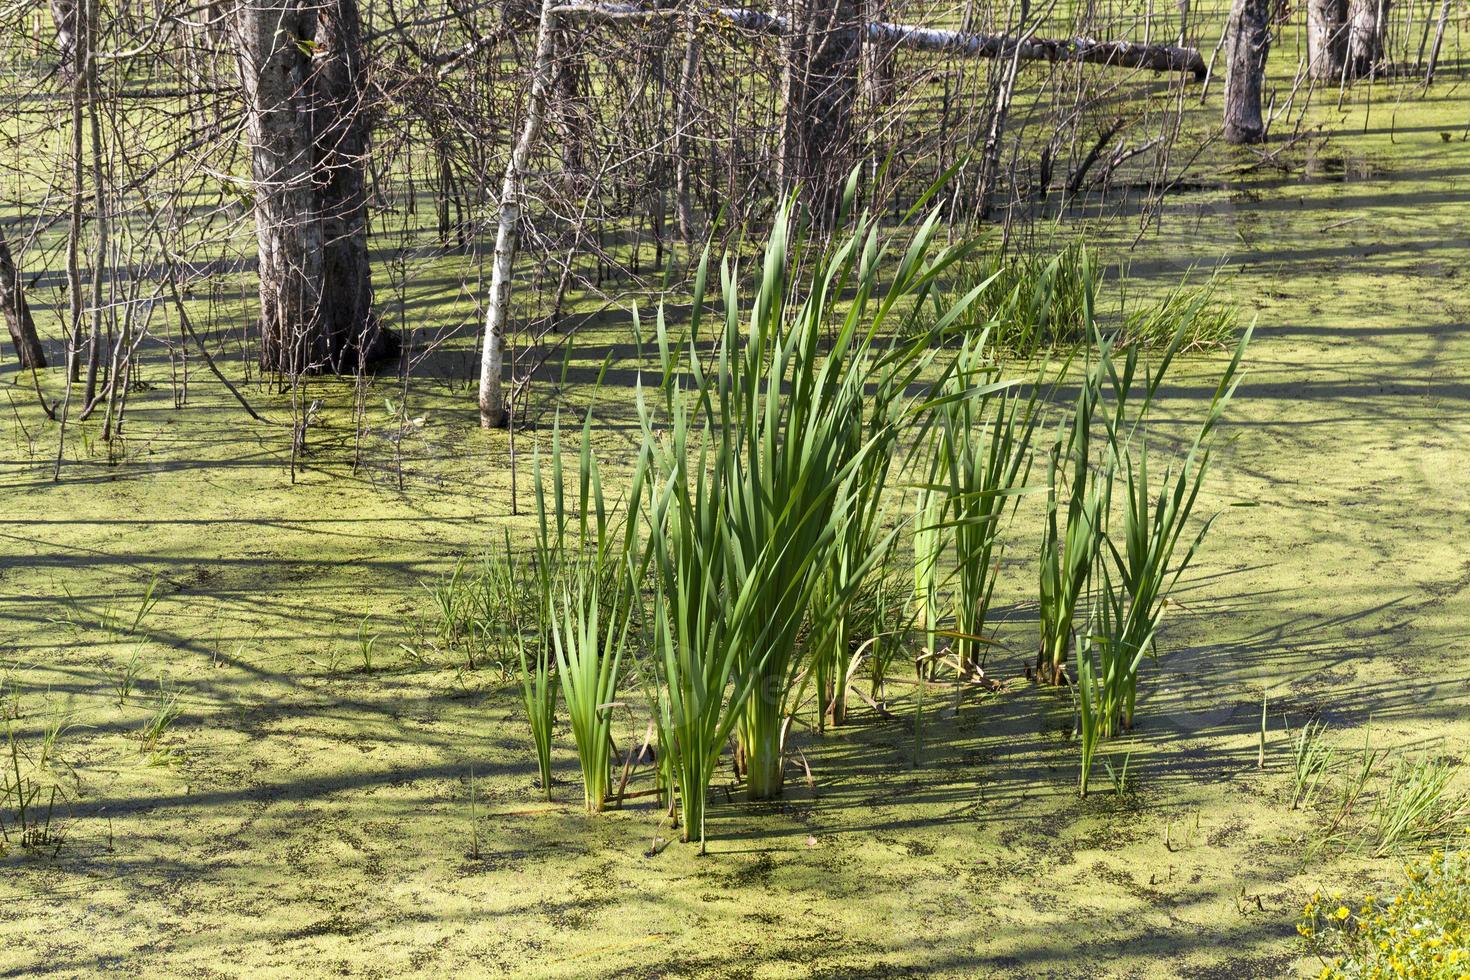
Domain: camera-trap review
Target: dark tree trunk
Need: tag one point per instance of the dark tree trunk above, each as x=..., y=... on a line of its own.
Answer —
x=18, y=313
x=1366, y=29
x=1248, y=41
x=879, y=68
x=1326, y=37
x=822, y=86
x=64, y=14
x=683, y=119
x=303, y=75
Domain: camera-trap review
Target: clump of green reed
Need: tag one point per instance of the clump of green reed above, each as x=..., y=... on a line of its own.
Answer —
x=1354, y=784
x=27, y=803
x=1418, y=807
x=1211, y=321
x=159, y=722
x=367, y=642
x=1040, y=300
x=125, y=679
x=538, y=694
x=1311, y=760
x=1036, y=301
x=1138, y=566
x=757, y=471
x=1118, y=391
x=859, y=514
x=1073, y=529
x=980, y=465
x=504, y=600
x=449, y=596
x=1118, y=775
x=58, y=723
x=589, y=605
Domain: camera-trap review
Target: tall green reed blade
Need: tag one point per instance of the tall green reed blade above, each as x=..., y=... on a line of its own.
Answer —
x=1090, y=695
x=930, y=543
x=861, y=545
x=980, y=466
x=588, y=601
x=1144, y=570
x=538, y=692
x=538, y=684
x=1069, y=550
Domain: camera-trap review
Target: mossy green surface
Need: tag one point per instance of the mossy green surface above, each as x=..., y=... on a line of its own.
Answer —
x=307, y=817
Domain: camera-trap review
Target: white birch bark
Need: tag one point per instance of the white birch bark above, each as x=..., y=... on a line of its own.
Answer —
x=492, y=356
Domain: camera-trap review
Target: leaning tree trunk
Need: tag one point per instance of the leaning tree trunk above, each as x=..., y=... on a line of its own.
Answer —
x=822, y=88
x=1248, y=41
x=492, y=356
x=1326, y=37
x=18, y=313
x=1366, y=33
x=302, y=71
x=1444, y=16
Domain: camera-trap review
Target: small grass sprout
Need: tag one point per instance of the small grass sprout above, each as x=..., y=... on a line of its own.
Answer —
x=23, y=822
x=367, y=642
x=125, y=679
x=447, y=596
x=1312, y=759
x=166, y=711
x=1118, y=775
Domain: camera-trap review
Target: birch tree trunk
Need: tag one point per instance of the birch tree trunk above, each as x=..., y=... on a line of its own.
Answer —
x=1249, y=40
x=18, y=313
x=492, y=356
x=960, y=44
x=303, y=77
x=1326, y=36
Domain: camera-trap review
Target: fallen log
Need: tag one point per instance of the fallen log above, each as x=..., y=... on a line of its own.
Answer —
x=1120, y=54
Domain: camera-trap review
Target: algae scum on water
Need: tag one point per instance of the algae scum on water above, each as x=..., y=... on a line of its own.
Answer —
x=268, y=691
